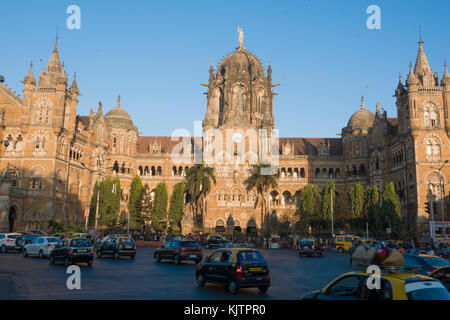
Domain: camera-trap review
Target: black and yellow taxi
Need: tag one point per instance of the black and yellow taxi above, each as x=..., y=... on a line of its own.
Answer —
x=117, y=247
x=309, y=247
x=234, y=268
x=394, y=285
x=73, y=250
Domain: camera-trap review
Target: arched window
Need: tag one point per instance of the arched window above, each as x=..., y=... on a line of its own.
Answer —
x=13, y=175
x=302, y=172
x=433, y=149
x=116, y=167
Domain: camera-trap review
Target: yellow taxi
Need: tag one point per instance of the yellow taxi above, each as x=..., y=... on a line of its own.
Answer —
x=394, y=285
x=343, y=243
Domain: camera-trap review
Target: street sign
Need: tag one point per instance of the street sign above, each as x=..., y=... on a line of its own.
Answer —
x=388, y=230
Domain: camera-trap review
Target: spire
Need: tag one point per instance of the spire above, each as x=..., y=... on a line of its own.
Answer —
x=363, y=106
x=74, y=86
x=446, y=78
x=118, y=101
x=422, y=66
x=30, y=77
x=378, y=110
x=54, y=62
x=412, y=79
x=269, y=72
x=400, y=87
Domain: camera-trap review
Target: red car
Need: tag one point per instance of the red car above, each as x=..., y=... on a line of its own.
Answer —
x=179, y=250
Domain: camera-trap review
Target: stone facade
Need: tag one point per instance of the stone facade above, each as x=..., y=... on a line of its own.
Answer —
x=54, y=156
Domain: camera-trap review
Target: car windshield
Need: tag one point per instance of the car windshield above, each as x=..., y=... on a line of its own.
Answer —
x=250, y=257
x=53, y=240
x=15, y=236
x=306, y=243
x=435, y=261
x=427, y=290
x=80, y=243
x=128, y=241
x=190, y=244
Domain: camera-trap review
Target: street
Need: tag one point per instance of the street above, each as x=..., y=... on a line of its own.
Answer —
x=34, y=278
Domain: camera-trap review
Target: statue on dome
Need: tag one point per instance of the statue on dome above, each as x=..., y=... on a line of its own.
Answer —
x=241, y=37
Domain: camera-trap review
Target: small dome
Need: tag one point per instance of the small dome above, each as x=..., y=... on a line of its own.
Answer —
x=119, y=118
x=361, y=119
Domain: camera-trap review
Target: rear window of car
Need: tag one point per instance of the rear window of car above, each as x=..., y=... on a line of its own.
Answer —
x=15, y=236
x=348, y=239
x=339, y=239
x=306, y=243
x=53, y=240
x=80, y=243
x=427, y=290
x=190, y=244
x=127, y=241
x=250, y=257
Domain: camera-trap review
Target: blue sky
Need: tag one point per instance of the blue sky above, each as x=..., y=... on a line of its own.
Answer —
x=155, y=54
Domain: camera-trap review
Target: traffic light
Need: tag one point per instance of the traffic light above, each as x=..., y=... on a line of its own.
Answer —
x=427, y=207
x=366, y=216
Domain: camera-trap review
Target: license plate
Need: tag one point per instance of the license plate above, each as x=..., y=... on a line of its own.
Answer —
x=129, y=247
x=258, y=278
x=192, y=256
x=82, y=251
x=254, y=269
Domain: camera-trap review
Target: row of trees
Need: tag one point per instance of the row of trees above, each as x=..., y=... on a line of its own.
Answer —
x=317, y=206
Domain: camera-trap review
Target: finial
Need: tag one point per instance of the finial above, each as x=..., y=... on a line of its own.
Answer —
x=118, y=101
x=420, y=35
x=445, y=64
x=363, y=106
x=400, y=76
x=56, y=39
x=378, y=108
x=74, y=76
x=241, y=37
x=31, y=64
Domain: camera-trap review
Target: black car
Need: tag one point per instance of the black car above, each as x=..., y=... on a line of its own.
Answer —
x=308, y=248
x=117, y=247
x=179, y=250
x=70, y=251
x=235, y=268
x=427, y=263
x=443, y=275
x=216, y=242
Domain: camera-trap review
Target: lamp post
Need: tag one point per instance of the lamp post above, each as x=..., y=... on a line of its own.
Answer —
x=430, y=201
x=441, y=180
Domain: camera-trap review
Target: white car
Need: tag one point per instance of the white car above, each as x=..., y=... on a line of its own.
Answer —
x=40, y=246
x=11, y=241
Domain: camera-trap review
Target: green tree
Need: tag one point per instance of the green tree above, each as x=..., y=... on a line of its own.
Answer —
x=198, y=185
x=160, y=206
x=328, y=194
x=373, y=209
x=146, y=206
x=176, y=208
x=309, y=199
x=261, y=180
x=356, y=204
x=135, y=200
x=109, y=204
x=391, y=210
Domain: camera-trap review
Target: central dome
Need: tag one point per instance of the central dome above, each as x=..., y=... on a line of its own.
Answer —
x=240, y=61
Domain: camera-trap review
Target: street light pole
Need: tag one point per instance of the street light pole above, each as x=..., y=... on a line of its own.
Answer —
x=332, y=222
x=98, y=199
x=431, y=202
x=442, y=198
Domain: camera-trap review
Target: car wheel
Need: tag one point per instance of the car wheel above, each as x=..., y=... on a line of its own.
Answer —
x=4, y=250
x=176, y=259
x=52, y=260
x=157, y=257
x=66, y=262
x=25, y=253
x=200, y=280
x=340, y=250
x=116, y=256
x=232, y=287
x=41, y=254
x=263, y=289
x=99, y=254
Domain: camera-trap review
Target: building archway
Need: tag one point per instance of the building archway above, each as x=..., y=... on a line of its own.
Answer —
x=220, y=226
x=12, y=216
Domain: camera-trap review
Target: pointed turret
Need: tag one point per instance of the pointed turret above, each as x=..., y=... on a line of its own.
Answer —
x=74, y=86
x=446, y=78
x=412, y=78
x=54, y=64
x=422, y=66
x=54, y=73
x=400, y=88
x=29, y=79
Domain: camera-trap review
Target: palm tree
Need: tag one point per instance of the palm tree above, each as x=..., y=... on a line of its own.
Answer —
x=198, y=186
x=261, y=182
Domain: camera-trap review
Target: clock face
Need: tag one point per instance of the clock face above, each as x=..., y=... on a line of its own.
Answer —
x=237, y=137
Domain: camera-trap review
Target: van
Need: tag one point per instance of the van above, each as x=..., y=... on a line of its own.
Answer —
x=343, y=243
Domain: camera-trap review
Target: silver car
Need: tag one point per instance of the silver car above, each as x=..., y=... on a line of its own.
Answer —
x=40, y=246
